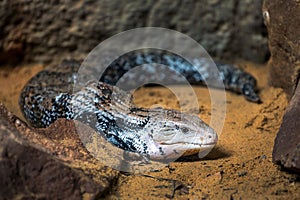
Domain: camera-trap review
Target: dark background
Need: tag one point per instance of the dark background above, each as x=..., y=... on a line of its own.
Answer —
x=34, y=31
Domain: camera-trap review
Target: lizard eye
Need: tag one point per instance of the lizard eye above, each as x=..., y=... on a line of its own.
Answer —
x=184, y=130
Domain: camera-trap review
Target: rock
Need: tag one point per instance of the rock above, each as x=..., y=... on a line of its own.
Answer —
x=282, y=20
x=35, y=167
x=286, y=150
x=37, y=31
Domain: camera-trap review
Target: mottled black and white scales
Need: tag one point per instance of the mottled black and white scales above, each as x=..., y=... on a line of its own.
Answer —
x=109, y=110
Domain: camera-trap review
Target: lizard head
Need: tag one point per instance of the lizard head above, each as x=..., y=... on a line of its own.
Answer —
x=175, y=134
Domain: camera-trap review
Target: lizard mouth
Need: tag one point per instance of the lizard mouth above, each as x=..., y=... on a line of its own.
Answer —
x=190, y=143
x=174, y=150
x=188, y=149
x=193, y=142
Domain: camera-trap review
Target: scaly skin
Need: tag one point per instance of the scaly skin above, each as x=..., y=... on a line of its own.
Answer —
x=233, y=78
x=155, y=133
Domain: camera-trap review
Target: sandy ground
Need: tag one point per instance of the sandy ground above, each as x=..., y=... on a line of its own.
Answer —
x=239, y=167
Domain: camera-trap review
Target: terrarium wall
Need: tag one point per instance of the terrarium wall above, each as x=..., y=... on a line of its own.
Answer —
x=49, y=31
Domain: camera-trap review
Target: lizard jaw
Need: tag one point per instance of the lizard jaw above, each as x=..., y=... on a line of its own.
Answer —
x=176, y=150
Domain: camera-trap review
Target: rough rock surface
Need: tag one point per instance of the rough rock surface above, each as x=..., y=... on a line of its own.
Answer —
x=282, y=20
x=287, y=144
x=30, y=171
x=39, y=31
